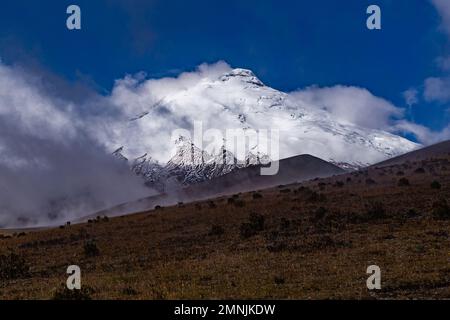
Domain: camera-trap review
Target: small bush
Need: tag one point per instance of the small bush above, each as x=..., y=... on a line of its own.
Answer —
x=339, y=184
x=64, y=293
x=212, y=205
x=257, y=221
x=287, y=190
x=257, y=195
x=253, y=226
x=247, y=230
x=412, y=213
x=419, y=170
x=279, y=280
x=435, y=185
x=216, y=230
x=370, y=182
x=403, y=182
x=316, y=197
x=129, y=291
x=284, y=224
x=239, y=203
x=441, y=210
x=13, y=266
x=276, y=246
x=400, y=173
x=375, y=210
x=91, y=249
x=320, y=213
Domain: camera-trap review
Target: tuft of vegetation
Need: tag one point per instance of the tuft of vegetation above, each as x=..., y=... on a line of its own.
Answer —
x=257, y=195
x=254, y=225
x=370, y=181
x=63, y=293
x=375, y=211
x=403, y=182
x=319, y=214
x=313, y=196
x=420, y=170
x=435, y=185
x=279, y=280
x=239, y=203
x=257, y=221
x=13, y=266
x=91, y=249
x=412, y=213
x=441, y=210
x=339, y=184
x=287, y=190
x=216, y=230
x=212, y=205
x=129, y=291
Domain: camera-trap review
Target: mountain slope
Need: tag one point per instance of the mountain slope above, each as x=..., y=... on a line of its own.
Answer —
x=291, y=170
x=439, y=149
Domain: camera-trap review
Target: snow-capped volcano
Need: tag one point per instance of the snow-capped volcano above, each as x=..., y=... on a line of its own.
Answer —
x=237, y=99
x=189, y=165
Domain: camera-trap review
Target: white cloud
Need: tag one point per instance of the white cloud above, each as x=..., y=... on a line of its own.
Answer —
x=443, y=7
x=352, y=105
x=411, y=96
x=444, y=63
x=423, y=134
x=437, y=89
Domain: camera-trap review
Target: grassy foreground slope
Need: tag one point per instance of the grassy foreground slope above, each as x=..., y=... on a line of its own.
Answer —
x=310, y=240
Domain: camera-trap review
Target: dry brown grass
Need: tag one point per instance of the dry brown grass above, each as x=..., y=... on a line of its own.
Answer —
x=300, y=252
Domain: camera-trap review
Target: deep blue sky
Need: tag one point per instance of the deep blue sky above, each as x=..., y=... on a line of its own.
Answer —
x=288, y=44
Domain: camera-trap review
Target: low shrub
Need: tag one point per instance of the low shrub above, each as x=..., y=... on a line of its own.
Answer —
x=91, y=249
x=441, y=210
x=257, y=195
x=13, y=266
x=254, y=225
x=403, y=182
x=435, y=185
x=216, y=230
x=419, y=170
x=63, y=293
x=375, y=210
x=239, y=203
